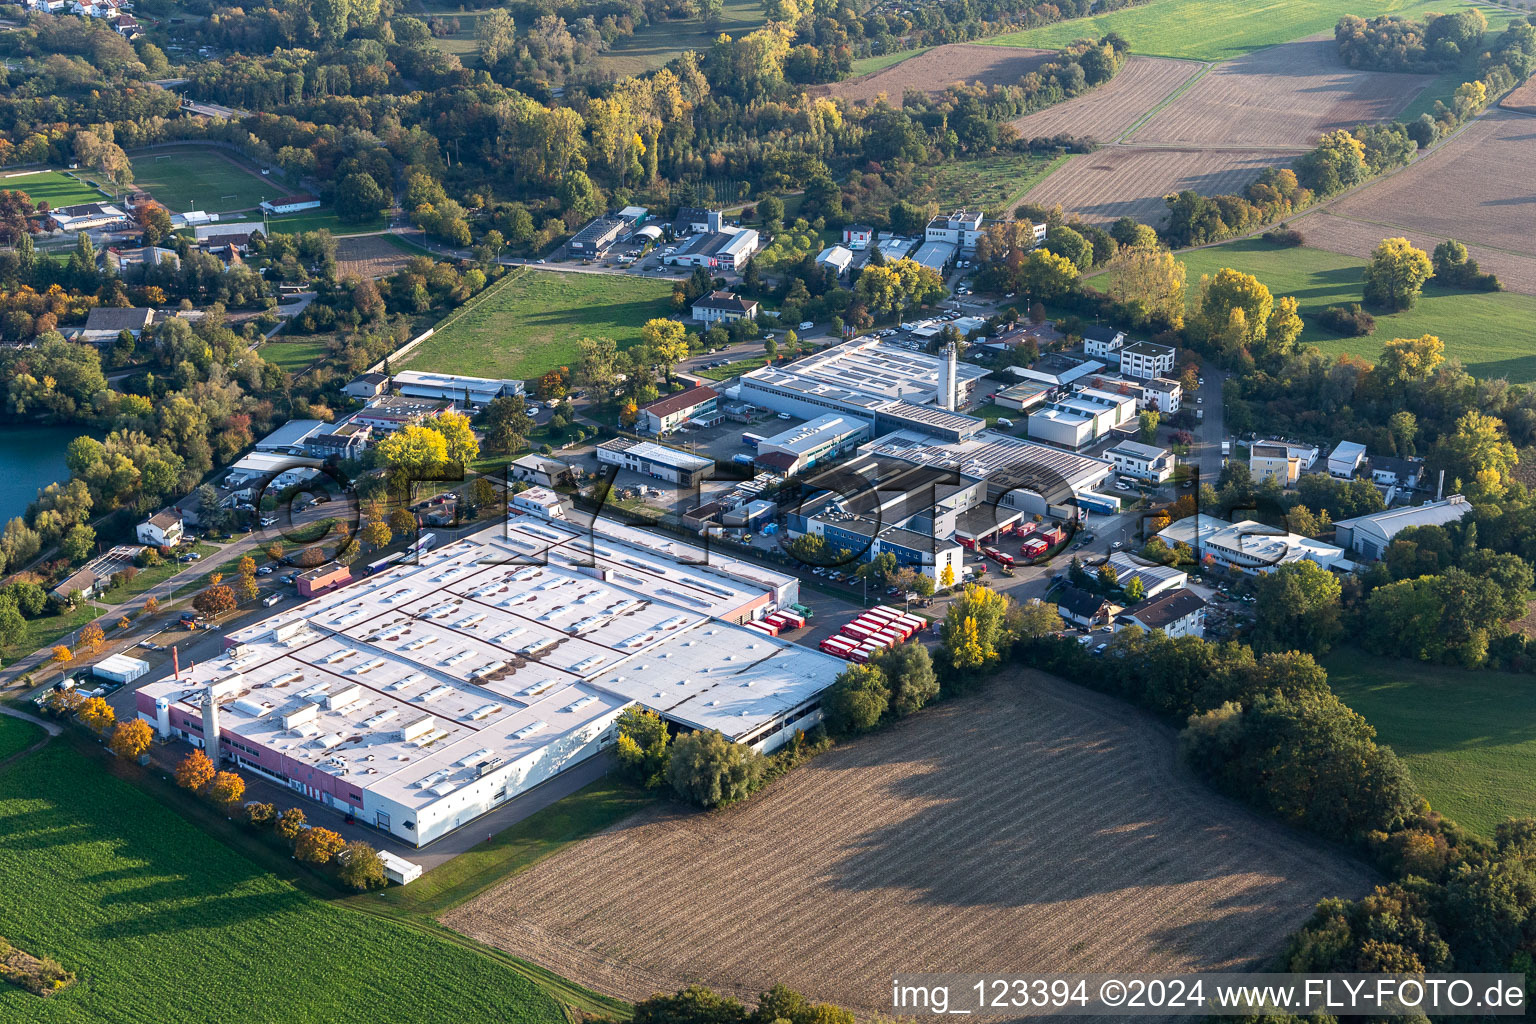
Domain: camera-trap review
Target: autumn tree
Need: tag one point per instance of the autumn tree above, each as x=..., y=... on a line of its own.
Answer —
x=195, y=771
x=1396, y=274
x=215, y=601
x=225, y=788
x=1147, y=282
x=1478, y=449
x=668, y=342
x=976, y=630
x=856, y=700
x=131, y=738
x=642, y=750
x=96, y=714
x=361, y=867
x=458, y=439
x=151, y=605
x=290, y=823
x=709, y=770
x=318, y=845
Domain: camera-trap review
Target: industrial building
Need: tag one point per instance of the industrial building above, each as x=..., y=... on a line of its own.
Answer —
x=1141, y=461
x=1024, y=396
x=469, y=391
x=669, y=412
x=1058, y=369
x=858, y=236
x=800, y=448
x=716, y=245
x=1345, y=460
x=1020, y=475
x=1078, y=419
x=1250, y=547
x=655, y=460
x=894, y=247
x=1369, y=536
x=599, y=233
x=935, y=255
x=425, y=695
x=890, y=387
x=961, y=229
x=837, y=258
x=1155, y=579
x=274, y=471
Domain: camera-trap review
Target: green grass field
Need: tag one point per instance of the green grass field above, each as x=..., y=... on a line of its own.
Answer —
x=1469, y=738
x=1223, y=29
x=314, y=220
x=164, y=923
x=293, y=354
x=529, y=322
x=1487, y=331
x=198, y=178
x=654, y=45
x=57, y=188
x=48, y=630
x=869, y=65
x=16, y=736
x=994, y=183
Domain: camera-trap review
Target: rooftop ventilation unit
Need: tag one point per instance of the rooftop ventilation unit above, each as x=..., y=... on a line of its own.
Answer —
x=588, y=664
x=417, y=729
x=469, y=759
x=536, y=646
x=577, y=705
x=404, y=681
x=483, y=711
x=487, y=766
x=509, y=634
x=436, y=692
x=345, y=695
x=373, y=721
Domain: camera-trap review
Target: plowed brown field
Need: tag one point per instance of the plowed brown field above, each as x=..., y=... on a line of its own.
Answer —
x=1035, y=826
x=1104, y=113
x=1326, y=230
x=1283, y=96
x=937, y=69
x=1479, y=188
x=368, y=256
x=1129, y=181
x=1522, y=99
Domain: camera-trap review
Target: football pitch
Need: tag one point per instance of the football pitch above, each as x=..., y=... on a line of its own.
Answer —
x=202, y=179
x=56, y=187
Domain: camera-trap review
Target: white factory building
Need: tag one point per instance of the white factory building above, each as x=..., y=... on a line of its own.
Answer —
x=1251, y=547
x=889, y=386
x=420, y=698
x=473, y=391
x=800, y=448
x=1078, y=419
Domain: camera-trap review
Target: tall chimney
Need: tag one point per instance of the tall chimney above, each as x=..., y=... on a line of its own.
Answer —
x=163, y=717
x=211, y=727
x=949, y=383
x=1440, y=487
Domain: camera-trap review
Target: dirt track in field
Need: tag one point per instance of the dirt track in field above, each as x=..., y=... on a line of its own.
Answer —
x=1105, y=112
x=368, y=256
x=1130, y=181
x=1327, y=230
x=1283, y=96
x=1479, y=188
x=1035, y=826
x=937, y=69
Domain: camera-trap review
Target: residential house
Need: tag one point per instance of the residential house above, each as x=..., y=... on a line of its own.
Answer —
x=722, y=307
x=1266, y=460
x=122, y=260
x=1174, y=613
x=1083, y=608
x=343, y=441
x=1163, y=394
x=161, y=530
x=104, y=323
x=1146, y=360
x=1103, y=343
x=540, y=471
x=1391, y=471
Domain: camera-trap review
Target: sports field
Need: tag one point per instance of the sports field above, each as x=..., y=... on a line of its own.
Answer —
x=1222, y=29
x=1469, y=738
x=57, y=188
x=529, y=322
x=200, y=178
x=164, y=923
x=1487, y=331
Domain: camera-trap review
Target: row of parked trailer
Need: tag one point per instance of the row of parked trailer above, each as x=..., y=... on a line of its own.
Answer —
x=781, y=621
x=875, y=630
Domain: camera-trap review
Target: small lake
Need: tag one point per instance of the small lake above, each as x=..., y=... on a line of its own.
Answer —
x=30, y=458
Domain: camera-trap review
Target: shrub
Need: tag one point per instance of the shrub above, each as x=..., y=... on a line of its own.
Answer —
x=1352, y=320
x=260, y=815
x=361, y=867
x=1286, y=236
x=708, y=770
x=318, y=845
x=290, y=823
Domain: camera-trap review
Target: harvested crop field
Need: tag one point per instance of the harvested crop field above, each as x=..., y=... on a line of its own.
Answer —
x=1130, y=181
x=936, y=69
x=1478, y=188
x=1521, y=99
x=368, y=256
x=1283, y=96
x=1327, y=230
x=1034, y=826
x=1104, y=113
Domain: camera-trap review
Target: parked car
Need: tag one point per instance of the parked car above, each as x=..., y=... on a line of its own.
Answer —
x=272, y=520
x=806, y=325
x=270, y=600
x=265, y=570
